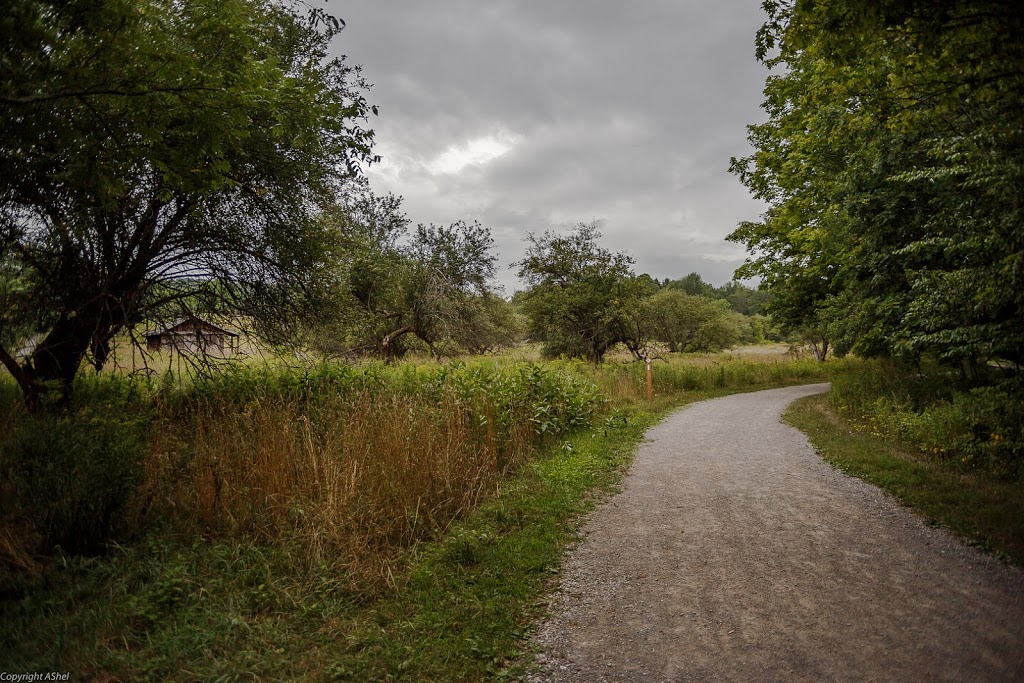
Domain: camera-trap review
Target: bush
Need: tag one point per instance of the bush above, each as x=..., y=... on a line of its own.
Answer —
x=982, y=427
x=67, y=479
x=935, y=411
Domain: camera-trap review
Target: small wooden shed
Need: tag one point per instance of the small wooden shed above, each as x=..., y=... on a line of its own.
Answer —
x=192, y=335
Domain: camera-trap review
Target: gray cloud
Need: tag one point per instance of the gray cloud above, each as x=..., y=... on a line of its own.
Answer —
x=529, y=116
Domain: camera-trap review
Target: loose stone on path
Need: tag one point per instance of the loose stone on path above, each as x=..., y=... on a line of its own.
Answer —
x=733, y=553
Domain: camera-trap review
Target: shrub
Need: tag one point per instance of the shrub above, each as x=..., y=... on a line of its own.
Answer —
x=67, y=479
x=935, y=411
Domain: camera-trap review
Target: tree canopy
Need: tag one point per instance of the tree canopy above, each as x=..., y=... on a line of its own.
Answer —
x=583, y=299
x=691, y=322
x=892, y=163
x=431, y=284
x=162, y=153
x=581, y=295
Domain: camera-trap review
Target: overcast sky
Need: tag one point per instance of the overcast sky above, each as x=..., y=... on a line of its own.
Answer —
x=528, y=115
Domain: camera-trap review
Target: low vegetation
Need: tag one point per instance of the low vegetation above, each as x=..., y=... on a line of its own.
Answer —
x=967, y=418
x=189, y=533
x=947, y=444
x=988, y=511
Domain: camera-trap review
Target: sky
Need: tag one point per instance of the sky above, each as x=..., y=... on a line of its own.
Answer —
x=533, y=115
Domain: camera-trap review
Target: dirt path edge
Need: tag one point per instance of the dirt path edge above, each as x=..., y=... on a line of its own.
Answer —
x=734, y=553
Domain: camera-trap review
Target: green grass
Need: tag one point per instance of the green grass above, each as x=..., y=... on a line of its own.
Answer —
x=160, y=611
x=463, y=610
x=457, y=608
x=985, y=510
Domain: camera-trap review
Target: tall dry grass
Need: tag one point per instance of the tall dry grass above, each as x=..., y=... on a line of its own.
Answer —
x=350, y=485
x=347, y=466
x=352, y=471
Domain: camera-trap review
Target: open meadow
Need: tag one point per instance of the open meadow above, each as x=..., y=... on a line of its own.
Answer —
x=306, y=522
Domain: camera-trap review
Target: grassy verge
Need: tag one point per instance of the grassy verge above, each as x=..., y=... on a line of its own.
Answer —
x=985, y=510
x=210, y=611
x=456, y=605
x=462, y=611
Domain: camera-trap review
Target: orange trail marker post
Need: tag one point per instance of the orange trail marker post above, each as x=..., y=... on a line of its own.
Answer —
x=650, y=379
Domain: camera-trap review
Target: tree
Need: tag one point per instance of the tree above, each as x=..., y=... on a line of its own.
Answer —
x=891, y=162
x=489, y=323
x=636, y=330
x=165, y=152
x=579, y=295
x=743, y=299
x=692, y=284
x=373, y=268
x=451, y=269
x=686, y=322
x=432, y=285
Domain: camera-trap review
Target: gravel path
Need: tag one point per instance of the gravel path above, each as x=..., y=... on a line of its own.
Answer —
x=733, y=553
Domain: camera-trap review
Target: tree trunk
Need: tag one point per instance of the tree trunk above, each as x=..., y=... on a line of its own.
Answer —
x=48, y=375
x=46, y=378
x=820, y=350
x=387, y=352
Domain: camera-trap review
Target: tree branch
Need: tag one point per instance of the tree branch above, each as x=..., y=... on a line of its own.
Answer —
x=12, y=366
x=16, y=100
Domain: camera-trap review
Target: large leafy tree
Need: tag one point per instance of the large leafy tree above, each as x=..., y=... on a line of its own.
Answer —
x=892, y=162
x=431, y=284
x=157, y=153
x=687, y=322
x=581, y=296
x=490, y=323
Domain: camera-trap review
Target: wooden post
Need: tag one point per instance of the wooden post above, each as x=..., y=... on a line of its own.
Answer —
x=650, y=379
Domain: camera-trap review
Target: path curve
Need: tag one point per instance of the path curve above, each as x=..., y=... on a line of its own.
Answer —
x=733, y=553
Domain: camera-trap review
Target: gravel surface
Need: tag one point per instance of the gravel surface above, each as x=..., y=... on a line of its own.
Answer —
x=733, y=553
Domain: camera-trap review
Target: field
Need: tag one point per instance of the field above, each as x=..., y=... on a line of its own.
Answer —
x=328, y=522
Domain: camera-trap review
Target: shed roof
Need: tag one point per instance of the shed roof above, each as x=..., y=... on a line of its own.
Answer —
x=171, y=327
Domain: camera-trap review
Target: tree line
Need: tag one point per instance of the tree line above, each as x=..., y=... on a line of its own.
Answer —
x=582, y=299
x=163, y=158
x=431, y=289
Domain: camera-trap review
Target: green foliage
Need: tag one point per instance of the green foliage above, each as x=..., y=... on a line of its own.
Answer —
x=941, y=415
x=583, y=300
x=743, y=299
x=490, y=323
x=152, y=144
x=692, y=284
x=432, y=286
x=556, y=397
x=67, y=479
x=891, y=163
x=688, y=323
x=581, y=296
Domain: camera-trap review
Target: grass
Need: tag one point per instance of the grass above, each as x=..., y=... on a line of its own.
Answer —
x=984, y=509
x=429, y=568
x=161, y=611
x=465, y=606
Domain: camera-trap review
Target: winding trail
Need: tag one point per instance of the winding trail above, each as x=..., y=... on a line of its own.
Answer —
x=733, y=553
